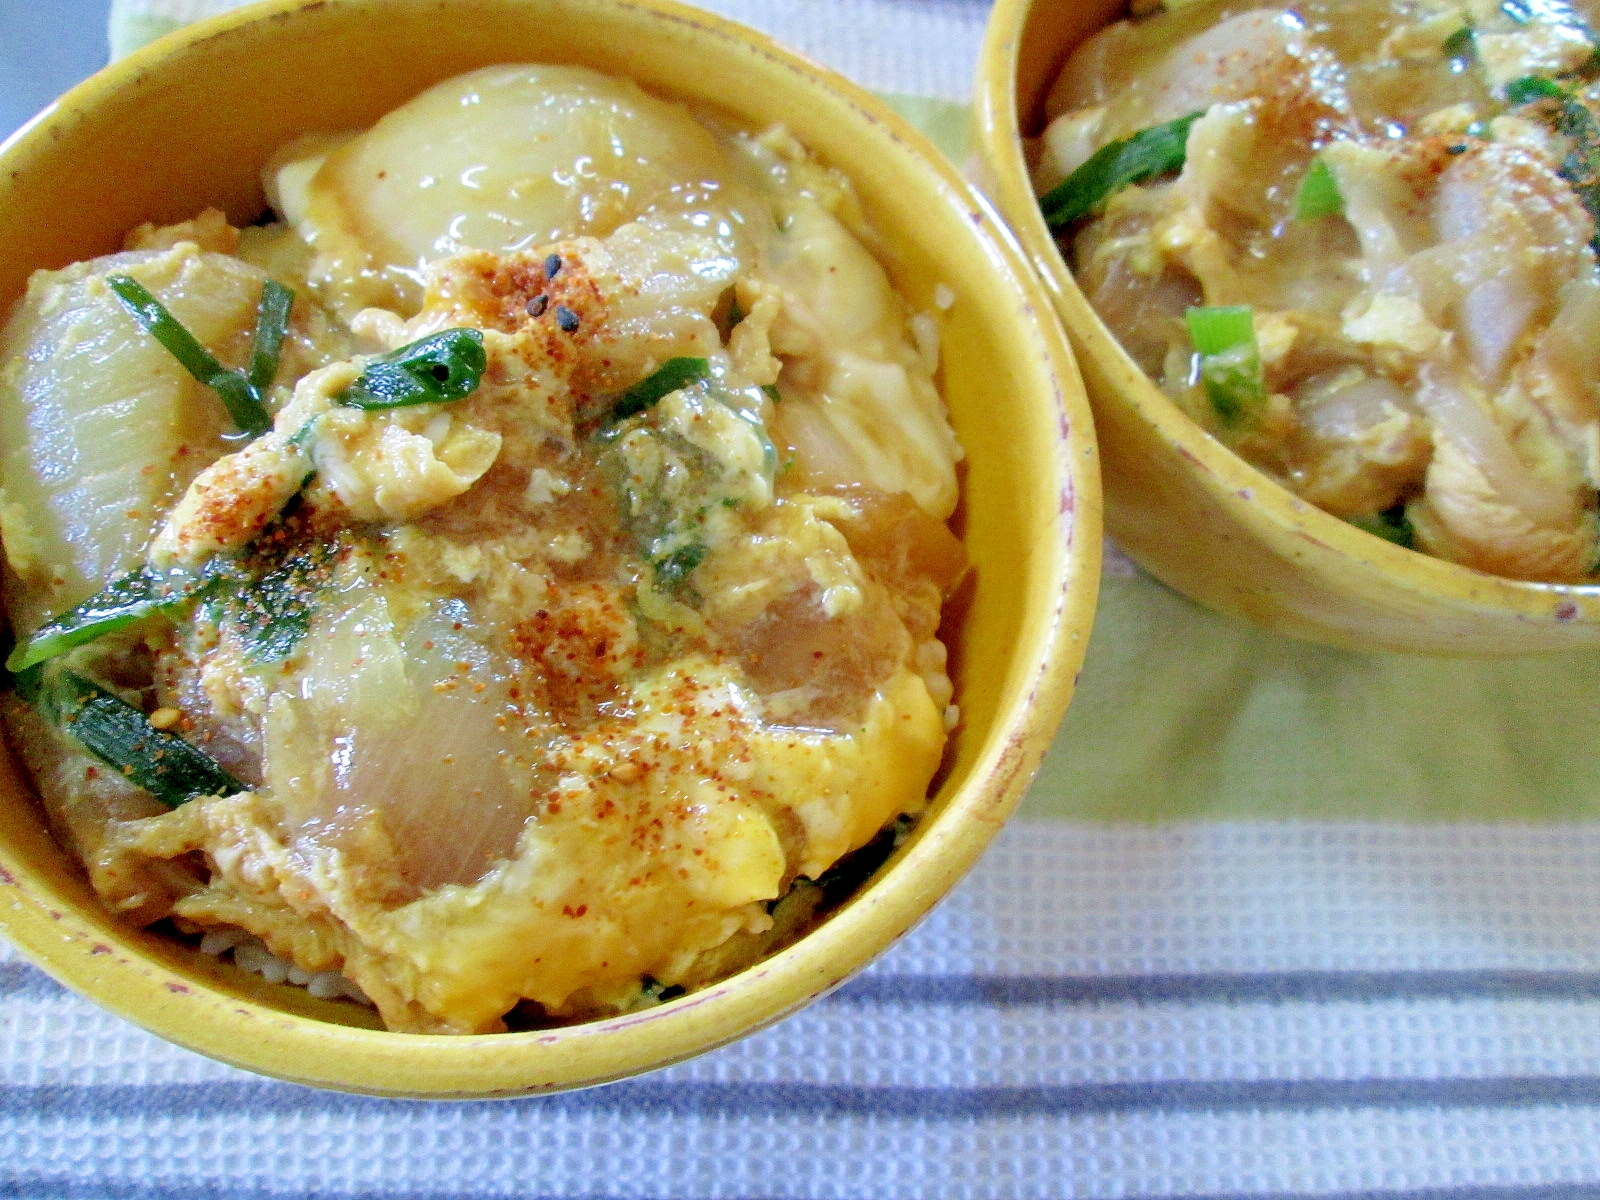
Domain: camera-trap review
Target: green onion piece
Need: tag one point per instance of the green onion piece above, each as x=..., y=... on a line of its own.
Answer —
x=239, y=396
x=770, y=391
x=118, y=604
x=1461, y=44
x=1230, y=361
x=671, y=375
x=1581, y=167
x=672, y=569
x=435, y=370
x=300, y=439
x=1319, y=193
x=1148, y=153
x=270, y=609
x=118, y=734
x=272, y=323
x=1218, y=330
x=1533, y=87
x=1392, y=525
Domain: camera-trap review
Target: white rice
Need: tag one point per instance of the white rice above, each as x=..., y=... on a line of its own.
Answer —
x=251, y=954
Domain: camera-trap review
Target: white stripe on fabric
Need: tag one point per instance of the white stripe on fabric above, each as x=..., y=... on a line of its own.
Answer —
x=1078, y=899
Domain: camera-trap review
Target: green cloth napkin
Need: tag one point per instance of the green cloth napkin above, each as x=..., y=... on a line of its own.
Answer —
x=1182, y=713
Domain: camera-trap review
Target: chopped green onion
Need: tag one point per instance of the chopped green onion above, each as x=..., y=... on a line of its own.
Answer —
x=1533, y=87
x=1319, y=193
x=672, y=569
x=238, y=394
x=114, y=731
x=118, y=604
x=1461, y=45
x=1218, y=330
x=770, y=391
x=1230, y=360
x=270, y=605
x=442, y=367
x=669, y=377
x=300, y=439
x=1581, y=167
x=1148, y=153
x=1392, y=525
x=272, y=323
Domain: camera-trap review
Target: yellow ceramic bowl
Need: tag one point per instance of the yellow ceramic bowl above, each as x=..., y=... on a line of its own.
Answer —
x=189, y=122
x=1189, y=510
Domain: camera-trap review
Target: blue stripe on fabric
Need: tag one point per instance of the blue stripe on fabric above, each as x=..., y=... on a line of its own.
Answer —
x=1272, y=987
x=1545, y=1191
x=745, y=1099
x=42, y=1187
x=20, y=979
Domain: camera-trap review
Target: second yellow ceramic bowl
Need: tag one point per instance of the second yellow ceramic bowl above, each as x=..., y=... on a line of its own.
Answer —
x=1184, y=506
x=189, y=122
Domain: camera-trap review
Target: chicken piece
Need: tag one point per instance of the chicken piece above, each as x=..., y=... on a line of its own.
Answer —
x=1143, y=77
x=1508, y=199
x=1358, y=448
x=1466, y=519
x=1562, y=375
x=1505, y=504
x=1385, y=189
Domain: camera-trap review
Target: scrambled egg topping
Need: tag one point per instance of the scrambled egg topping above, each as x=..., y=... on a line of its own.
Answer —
x=537, y=698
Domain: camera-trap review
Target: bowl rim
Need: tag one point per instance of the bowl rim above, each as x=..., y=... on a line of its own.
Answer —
x=149, y=990
x=1252, y=498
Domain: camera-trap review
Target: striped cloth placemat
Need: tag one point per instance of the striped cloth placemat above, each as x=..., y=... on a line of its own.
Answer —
x=1275, y=922
x=1334, y=1010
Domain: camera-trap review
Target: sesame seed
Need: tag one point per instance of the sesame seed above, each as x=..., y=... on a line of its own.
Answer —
x=538, y=304
x=552, y=266
x=566, y=318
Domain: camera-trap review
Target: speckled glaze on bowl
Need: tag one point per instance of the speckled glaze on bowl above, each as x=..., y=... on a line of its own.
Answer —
x=189, y=121
x=1185, y=507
